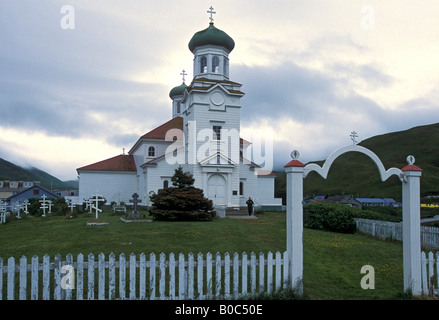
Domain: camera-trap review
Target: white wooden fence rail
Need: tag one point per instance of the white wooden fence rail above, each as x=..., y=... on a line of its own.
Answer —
x=386, y=229
x=210, y=277
x=430, y=273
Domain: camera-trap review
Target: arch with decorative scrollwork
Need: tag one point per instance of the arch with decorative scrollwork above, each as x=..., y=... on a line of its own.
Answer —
x=410, y=179
x=323, y=171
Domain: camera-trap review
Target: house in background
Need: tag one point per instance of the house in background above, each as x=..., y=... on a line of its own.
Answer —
x=344, y=199
x=9, y=188
x=34, y=191
x=377, y=202
x=389, y=202
x=371, y=202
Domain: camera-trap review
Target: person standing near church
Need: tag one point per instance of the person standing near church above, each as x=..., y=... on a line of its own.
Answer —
x=250, y=206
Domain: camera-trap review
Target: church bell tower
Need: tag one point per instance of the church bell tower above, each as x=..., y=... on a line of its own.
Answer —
x=211, y=117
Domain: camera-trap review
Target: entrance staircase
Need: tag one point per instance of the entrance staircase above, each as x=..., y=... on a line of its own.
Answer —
x=237, y=211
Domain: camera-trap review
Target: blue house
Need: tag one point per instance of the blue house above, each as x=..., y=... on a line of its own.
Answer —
x=35, y=191
x=389, y=202
x=371, y=202
x=386, y=202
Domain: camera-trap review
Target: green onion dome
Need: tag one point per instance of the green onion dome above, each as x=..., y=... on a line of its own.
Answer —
x=179, y=90
x=211, y=36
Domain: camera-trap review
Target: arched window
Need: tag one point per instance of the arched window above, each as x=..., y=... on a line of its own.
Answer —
x=203, y=65
x=215, y=64
x=178, y=107
x=151, y=152
x=165, y=184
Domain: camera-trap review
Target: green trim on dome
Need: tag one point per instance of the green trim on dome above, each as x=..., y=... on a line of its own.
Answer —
x=213, y=36
x=179, y=90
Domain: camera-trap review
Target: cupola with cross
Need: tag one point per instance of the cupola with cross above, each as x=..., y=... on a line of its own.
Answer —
x=211, y=48
x=176, y=95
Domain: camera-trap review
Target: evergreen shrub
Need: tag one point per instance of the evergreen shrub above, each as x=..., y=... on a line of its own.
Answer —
x=182, y=201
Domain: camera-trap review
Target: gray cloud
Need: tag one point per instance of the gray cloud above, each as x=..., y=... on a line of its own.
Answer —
x=312, y=98
x=302, y=94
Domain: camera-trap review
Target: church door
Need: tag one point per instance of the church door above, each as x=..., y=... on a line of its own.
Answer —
x=216, y=189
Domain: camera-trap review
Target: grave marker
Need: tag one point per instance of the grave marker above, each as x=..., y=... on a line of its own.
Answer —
x=3, y=211
x=25, y=208
x=71, y=205
x=135, y=200
x=44, y=204
x=95, y=204
x=50, y=204
x=19, y=208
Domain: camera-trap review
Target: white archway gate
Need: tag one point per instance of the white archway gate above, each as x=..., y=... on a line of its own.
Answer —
x=409, y=176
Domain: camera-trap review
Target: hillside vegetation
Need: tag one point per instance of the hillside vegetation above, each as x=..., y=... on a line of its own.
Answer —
x=356, y=174
x=10, y=171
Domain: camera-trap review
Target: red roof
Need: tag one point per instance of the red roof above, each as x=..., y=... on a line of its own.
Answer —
x=294, y=163
x=411, y=167
x=160, y=132
x=122, y=162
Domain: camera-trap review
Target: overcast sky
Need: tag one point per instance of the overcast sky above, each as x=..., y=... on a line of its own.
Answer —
x=312, y=71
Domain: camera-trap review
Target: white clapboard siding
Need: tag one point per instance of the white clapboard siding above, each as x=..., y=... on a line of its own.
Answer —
x=143, y=277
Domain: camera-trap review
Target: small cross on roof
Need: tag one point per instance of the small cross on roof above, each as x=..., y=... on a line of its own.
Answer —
x=211, y=14
x=183, y=73
x=354, y=135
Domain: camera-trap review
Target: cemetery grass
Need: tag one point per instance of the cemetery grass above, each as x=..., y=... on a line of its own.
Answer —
x=332, y=261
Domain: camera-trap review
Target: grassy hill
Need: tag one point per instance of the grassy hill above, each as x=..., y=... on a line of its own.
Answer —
x=355, y=173
x=10, y=171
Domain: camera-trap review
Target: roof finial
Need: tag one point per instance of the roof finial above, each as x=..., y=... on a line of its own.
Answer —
x=411, y=160
x=295, y=155
x=211, y=14
x=183, y=73
x=354, y=135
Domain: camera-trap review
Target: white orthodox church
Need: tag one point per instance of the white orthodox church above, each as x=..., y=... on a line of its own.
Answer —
x=202, y=137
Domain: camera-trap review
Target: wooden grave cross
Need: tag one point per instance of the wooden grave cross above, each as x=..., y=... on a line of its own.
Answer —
x=25, y=208
x=3, y=208
x=71, y=205
x=44, y=204
x=19, y=208
x=95, y=204
x=50, y=204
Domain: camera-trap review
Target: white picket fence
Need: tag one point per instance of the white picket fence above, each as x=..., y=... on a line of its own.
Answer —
x=173, y=278
x=430, y=273
x=385, y=229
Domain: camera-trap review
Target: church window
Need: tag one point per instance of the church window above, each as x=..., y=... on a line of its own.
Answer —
x=165, y=184
x=178, y=106
x=215, y=64
x=226, y=67
x=151, y=152
x=203, y=65
x=216, y=133
x=241, y=188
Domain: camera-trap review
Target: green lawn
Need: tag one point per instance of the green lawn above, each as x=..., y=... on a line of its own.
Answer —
x=332, y=261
